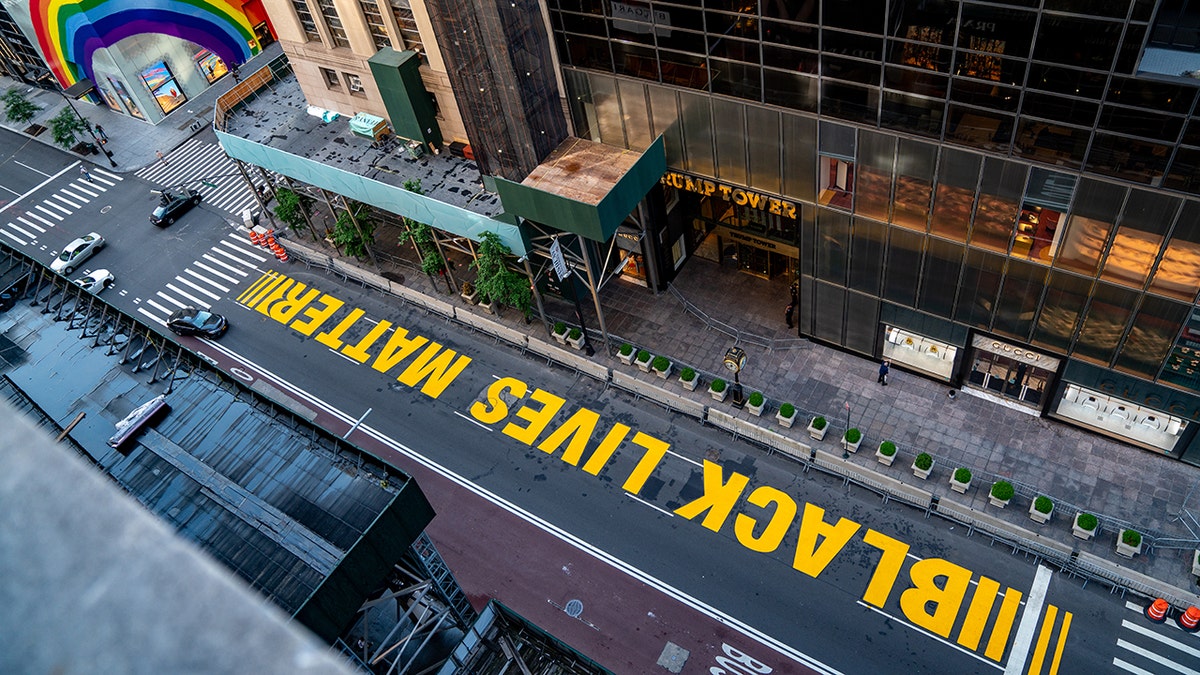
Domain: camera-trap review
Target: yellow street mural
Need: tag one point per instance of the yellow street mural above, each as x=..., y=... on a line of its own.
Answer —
x=932, y=593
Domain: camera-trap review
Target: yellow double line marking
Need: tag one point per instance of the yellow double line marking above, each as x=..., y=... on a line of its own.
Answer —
x=261, y=288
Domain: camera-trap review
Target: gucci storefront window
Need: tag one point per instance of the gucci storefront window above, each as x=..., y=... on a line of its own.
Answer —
x=1014, y=373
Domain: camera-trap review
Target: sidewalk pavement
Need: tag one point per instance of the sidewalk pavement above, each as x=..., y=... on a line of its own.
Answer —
x=132, y=141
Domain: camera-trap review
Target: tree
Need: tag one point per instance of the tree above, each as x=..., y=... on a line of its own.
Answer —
x=293, y=209
x=64, y=126
x=346, y=234
x=18, y=109
x=495, y=280
x=421, y=236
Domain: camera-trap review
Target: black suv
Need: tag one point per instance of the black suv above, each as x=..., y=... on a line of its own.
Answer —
x=171, y=206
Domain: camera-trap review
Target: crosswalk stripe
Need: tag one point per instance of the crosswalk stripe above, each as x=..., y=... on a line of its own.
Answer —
x=1129, y=667
x=199, y=289
x=169, y=299
x=66, y=201
x=18, y=229
x=75, y=196
x=14, y=237
x=198, y=301
x=1158, y=658
x=155, y=319
x=197, y=161
x=238, y=245
x=114, y=176
x=51, y=204
x=1138, y=628
x=219, y=287
x=31, y=225
x=210, y=270
x=227, y=266
x=48, y=212
x=88, y=188
x=227, y=254
x=31, y=214
x=162, y=309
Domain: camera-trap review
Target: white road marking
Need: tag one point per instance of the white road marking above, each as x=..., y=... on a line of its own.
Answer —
x=40, y=185
x=472, y=420
x=14, y=237
x=87, y=189
x=169, y=299
x=243, y=250
x=214, y=296
x=31, y=225
x=206, y=280
x=1138, y=628
x=233, y=257
x=226, y=265
x=198, y=301
x=1129, y=667
x=113, y=176
x=210, y=270
x=160, y=308
x=155, y=319
x=85, y=198
x=52, y=205
x=31, y=214
x=904, y=622
x=1157, y=658
x=639, y=499
x=4, y=187
x=66, y=201
x=18, y=229
x=30, y=168
x=1029, y=621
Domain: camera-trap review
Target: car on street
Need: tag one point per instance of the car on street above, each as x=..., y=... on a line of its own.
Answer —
x=75, y=253
x=96, y=281
x=192, y=321
x=173, y=205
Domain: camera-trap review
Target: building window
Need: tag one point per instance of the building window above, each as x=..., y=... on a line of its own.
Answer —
x=331, y=79
x=336, y=30
x=437, y=109
x=375, y=24
x=354, y=84
x=306, y=20
x=402, y=10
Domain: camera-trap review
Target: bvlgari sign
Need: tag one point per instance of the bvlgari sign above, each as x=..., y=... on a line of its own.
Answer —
x=730, y=193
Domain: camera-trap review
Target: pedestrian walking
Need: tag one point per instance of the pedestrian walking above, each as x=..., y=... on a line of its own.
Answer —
x=233, y=70
x=883, y=372
x=161, y=158
x=86, y=176
x=100, y=132
x=787, y=313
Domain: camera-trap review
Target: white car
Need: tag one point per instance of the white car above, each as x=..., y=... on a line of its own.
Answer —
x=96, y=281
x=75, y=253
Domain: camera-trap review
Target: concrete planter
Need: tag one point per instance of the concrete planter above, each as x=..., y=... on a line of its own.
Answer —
x=718, y=396
x=577, y=343
x=643, y=366
x=923, y=474
x=815, y=433
x=1126, y=550
x=883, y=459
x=785, y=422
x=851, y=447
x=756, y=410
x=1037, y=516
x=998, y=503
x=662, y=374
x=960, y=488
x=627, y=359
x=1081, y=533
x=471, y=297
x=488, y=307
x=690, y=385
x=560, y=338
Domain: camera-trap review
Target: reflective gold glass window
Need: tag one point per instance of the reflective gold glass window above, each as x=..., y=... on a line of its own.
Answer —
x=998, y=206
x=1151, y=335
x=876, y=155
x=915, y=164
x=1178, y=273
x=1106, y=320
x=1139, y=237
x=1051, y=143
x=958, y=176
x=1095, y=211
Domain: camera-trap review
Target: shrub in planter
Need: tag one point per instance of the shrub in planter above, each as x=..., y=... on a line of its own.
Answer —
x=687, y=377
x=887, y=449
x=818, y=422
x=787, y=416
x=756, y=403
x=717, y=389
x=962, y=475
x=575, y=334
x=643, y=360
x=787, y=410
x=756, y=399
x=961, y=480
x=1002, y=491
x=718, y=385
x=853, y=436
x=661, y=366
x=1131, y=538
x=625, y=353
x=1040, y=509
x=560, y=327
x=922, y=465
x=1084, y=526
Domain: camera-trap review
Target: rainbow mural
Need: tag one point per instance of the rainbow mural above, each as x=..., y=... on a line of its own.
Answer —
x=70, y=31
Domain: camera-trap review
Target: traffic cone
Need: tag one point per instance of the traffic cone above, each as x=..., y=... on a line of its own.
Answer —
x=255, y=238
x=270, y=241
x=281, y=254
x=1157, y=611
x=1190, y=620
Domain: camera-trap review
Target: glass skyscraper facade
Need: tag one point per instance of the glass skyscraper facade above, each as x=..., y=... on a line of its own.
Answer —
x=994, y=194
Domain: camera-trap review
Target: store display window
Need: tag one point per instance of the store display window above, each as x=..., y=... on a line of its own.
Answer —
x=161, y=83
x=836, y=182
x=1137, y=424
x=929, y=356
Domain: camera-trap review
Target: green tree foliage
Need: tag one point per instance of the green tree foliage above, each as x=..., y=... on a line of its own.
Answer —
x=496, y=282
x=292, y=207
x=345, y=234
x=66, y=127
x=18, y=109
x=422, y=236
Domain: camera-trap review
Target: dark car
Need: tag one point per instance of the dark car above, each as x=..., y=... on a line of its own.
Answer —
x=192, y=321
x=171, y=206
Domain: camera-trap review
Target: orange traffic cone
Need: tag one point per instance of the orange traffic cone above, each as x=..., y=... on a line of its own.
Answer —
x=1190, y=620
x=255, y=239
x=281, y=255
x=1157, y=611
x=270, y=241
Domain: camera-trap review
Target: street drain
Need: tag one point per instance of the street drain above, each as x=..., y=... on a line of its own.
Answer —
x=573, y=609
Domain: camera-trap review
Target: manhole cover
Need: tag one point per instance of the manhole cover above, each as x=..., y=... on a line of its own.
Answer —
x=573, y=609
x=106, y=209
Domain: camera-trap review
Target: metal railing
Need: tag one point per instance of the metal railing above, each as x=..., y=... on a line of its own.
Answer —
x=739, y=336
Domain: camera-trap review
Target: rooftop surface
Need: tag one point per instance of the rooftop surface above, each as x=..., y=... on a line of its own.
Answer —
x=582, y=170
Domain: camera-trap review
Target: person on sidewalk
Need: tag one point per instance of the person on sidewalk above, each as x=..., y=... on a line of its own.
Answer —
x=100, y=132
x=787, y=313
x=883, y=372
x=86, y=176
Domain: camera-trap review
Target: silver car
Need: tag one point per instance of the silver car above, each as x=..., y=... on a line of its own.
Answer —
x=75, y=253
x=96, y=281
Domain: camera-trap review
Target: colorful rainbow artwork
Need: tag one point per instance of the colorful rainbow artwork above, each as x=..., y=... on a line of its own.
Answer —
x=70, y=31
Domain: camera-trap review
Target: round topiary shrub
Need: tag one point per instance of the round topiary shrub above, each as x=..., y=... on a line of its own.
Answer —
x=787, y=410
x=660, y=363
x=643, y=356
x=718, y=385
x=560, y=328
x=1002, y=490
x=1043, y=504
x=853, y=435
x=923, y=461
x=687, y=374
x=962, y=475
x=1086, y=521
x=887, y=448
x=756, y=399
x=1131, y=537
x=575, y=334
x=626, y=348
x=819, y=423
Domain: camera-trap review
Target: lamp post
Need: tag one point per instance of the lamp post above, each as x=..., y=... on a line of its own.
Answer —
x=845, y=450
x=79, y=89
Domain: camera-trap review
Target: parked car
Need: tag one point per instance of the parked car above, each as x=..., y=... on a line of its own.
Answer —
x=96, y=281
x=172, y=206
x=192, y=321
x=76, y=252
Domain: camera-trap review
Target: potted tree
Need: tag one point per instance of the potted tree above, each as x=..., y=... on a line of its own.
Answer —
x=575, y=338
x=718, y=390
x=922, y=465
x=1040, y=509
x=886, y=454
x=560, y=332
x=961, y=480
x=786, y=415
x=469, y=294
x=1085, y=526
x=496, y=281
x=817, y=428
x=1001, y=493
x=851, y=440
x=756, y=403
x=643, y=360
x=625, y=353
x=687, y=377
x=661, y=366
x=1129, y=543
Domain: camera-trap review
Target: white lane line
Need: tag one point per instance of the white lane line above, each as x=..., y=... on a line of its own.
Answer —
x=39, y=186
x=197, y=301
x=162, y=309
x=200, y=289
x=48, y=212
x=169, y=299
x=639, y=499
x=234, y=258
x=1138, y=628
x=8, y=189
x=226, y=265
x=31, y=225
x=341, y=355
x=111, y=175
x=30, y=168
x=472, y=420
x=51, y=204
x=68, y=202
x=223, y=289
x=243, y=250
x=14, y=237
x=155, y=319
x=31, y=214
x=87, y=189
x=1029, y=621
x=1129, y=667
x=542, y=524
x=18, y=229
x=210, y=270
x=85, y=198
x=1156, y=658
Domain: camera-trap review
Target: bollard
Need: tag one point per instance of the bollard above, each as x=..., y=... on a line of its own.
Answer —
x=1190, y=619
x=1157, y=611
